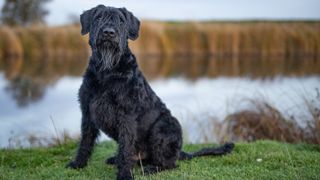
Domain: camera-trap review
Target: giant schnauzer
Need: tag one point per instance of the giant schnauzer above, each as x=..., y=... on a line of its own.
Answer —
x=116, y=99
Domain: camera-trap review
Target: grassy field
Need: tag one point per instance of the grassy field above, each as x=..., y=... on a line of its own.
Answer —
x=258, y=160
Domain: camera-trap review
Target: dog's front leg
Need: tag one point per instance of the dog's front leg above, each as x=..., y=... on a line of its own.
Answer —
x=89, y=133
x=125, y=159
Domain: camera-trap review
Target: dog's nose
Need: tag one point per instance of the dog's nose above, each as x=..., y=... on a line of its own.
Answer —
x=109, y=32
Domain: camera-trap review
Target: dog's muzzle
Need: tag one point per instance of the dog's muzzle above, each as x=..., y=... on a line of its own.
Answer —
x=109, y=33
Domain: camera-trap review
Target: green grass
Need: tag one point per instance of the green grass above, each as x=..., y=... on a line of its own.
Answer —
x=279, y=161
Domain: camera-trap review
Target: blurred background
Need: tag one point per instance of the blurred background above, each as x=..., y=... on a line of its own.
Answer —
x=228, y=70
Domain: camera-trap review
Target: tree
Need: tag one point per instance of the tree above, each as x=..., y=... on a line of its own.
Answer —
x=23, y=12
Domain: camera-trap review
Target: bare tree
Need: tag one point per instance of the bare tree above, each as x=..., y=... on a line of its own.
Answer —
x=23, y=12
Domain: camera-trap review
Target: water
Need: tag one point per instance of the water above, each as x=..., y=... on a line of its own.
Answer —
x=42, y=102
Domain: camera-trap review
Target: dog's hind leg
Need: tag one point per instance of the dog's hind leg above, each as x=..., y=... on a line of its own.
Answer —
x=165, y=146
x=163, y=156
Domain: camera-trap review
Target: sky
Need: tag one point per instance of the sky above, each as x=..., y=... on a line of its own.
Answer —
x=62, y=10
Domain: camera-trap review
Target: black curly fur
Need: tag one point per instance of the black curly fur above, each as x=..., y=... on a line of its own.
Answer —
x=116, y=99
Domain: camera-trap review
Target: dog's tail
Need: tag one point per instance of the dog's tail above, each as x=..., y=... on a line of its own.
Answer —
x=213, y=151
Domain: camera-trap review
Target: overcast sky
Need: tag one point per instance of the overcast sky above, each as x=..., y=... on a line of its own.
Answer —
x=60, y=10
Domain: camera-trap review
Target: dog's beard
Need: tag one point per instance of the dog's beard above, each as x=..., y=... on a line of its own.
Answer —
x=110, y=51
x=110, y=55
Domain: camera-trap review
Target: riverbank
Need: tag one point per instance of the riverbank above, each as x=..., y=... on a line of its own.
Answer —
x=256, y=160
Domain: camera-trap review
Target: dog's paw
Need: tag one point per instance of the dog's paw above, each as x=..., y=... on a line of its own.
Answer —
x=111, y=160
x=75, y=165
x=228, y=147
x=125, y=176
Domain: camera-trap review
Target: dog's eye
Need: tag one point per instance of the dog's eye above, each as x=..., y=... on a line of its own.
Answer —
x=99, y=17
x=121, y=20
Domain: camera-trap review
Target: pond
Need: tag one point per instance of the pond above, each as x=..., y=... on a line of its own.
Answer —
x=38, y=98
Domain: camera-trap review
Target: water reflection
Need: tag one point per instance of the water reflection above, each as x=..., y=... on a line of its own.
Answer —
x=25, y=90
x=196, y=104
x=29, y=79
x=194, y=67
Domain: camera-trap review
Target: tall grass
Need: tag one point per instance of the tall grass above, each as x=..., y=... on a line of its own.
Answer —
x=10, y=45
x=42, y=42
x=232, y=39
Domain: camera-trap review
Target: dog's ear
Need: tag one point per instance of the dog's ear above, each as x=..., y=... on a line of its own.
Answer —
x=86, y=19
x=132, y=22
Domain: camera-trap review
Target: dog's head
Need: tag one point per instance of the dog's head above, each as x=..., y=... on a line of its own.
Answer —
x=109, y=29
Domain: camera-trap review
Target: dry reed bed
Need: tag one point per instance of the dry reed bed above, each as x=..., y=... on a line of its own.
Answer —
x=230, y=39
x=263, y=121
x=38, y=42
x=263, y=39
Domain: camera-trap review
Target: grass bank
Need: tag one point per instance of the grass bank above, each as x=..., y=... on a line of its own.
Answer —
x=256, y=160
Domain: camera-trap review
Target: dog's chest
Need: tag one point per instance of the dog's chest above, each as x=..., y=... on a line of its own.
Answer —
x=106, y=106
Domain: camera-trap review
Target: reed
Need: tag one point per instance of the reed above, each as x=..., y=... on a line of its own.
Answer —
x=10, y=44
x=231, y=39
x=42, y=42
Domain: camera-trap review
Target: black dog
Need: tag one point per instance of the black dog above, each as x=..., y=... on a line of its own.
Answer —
x=116, y=98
